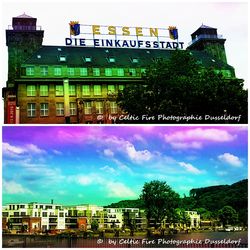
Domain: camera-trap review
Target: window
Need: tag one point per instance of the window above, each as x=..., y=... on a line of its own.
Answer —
x=85, y=90
x=97, y=90
x=72, y=108
x=87, y=59
x=30, y=71
x=44, y=70
x=96, y=72
x=57, y=71
x=31, y=90
x=72, y=90
x=111, y=59
x=108, y=72
x=23, y=213
x=87, y=108
x=121, y=87
x=44, y=214
x=71, y=71
x=44, y=109
x=59, y=108
x=61, y=215
x=22, y=206
x=62, y=58
x=5, y=214
x=16, y=214
x=31, y=110
x=120, y=72
x=113, y=107
x=132, y=72
x=143, y=71
x=134, y=60
x=44, y=90
x=111, y=89
x=83, y=71
x=59, y=90
x=99, y=107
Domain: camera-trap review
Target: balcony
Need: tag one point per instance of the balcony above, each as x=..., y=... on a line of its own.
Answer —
x=206, y=37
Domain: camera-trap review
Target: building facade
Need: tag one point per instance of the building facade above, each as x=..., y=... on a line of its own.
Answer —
x=62, y=84
x=41, y=217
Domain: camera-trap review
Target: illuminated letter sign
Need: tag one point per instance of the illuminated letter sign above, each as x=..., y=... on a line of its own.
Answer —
x=123, y=36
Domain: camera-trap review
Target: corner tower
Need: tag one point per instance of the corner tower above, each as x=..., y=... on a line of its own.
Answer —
x=22, y=39
x=206, y=39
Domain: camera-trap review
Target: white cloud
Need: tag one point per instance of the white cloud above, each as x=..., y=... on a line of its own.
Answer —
x=221, y=173
x=109, y=187
x=137, y=156
x=34, y=149
x=16, y=151
x=56, y=152
x=230, y=159
x=108, y=152
x=190, y=168
x=108, y=169
x=194, y=138
x=9, y=150
x=186, y=145
x=119, y=190
x=127, y=148
x=12, y=187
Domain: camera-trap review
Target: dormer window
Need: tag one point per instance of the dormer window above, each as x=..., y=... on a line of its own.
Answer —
x=62, y=58
x=87, y=59
x=111, y=59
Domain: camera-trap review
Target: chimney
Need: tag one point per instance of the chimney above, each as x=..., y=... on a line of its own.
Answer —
x=52, y=201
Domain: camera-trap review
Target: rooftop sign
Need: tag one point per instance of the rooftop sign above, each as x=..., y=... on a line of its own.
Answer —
x=123, y=36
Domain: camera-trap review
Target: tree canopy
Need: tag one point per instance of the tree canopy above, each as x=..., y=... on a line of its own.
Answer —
x=180, y=86
x=160, y=200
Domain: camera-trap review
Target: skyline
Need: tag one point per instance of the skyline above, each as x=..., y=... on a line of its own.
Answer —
x=229, y=18
x=102, y=165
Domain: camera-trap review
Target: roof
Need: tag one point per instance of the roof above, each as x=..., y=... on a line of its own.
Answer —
x=205, y=27
x=49, y=55
x=24, y=16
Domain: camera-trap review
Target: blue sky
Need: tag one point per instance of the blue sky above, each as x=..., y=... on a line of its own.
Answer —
x=101, y=165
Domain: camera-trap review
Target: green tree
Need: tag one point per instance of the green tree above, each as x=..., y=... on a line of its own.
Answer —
x=94, y=225
x=160, y=201
x=181, y=86
x=228, y=215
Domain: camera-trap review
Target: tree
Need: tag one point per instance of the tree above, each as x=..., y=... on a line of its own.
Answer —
x=94, y=225
x=181, y=86
x=160, y=201
x=228, y=215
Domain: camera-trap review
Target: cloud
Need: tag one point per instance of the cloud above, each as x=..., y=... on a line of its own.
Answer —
x=230, y=159
x=221, y=173
x=190, y=168
x=108, y=169
x=12, y=151
x=194, y=138
x=110, y=187
x=56, y=152
x=34, y=149
x=108, y=152
x=12, y=187
x=137, y=156
x=17, y=151
x=119, y=190
x=127, y=148
x=186, y=145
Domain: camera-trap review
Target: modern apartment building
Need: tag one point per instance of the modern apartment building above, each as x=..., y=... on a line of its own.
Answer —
x=33, y=217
